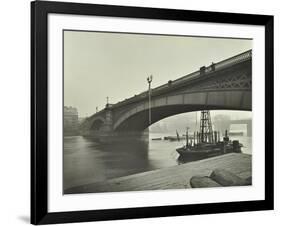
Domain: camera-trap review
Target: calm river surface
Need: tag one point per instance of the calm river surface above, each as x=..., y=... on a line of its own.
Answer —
x=86, y=161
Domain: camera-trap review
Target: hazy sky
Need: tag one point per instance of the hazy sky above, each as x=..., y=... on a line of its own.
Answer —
x=97, y=65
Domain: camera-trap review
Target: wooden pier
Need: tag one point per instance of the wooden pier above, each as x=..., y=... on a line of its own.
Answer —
x=175, y=177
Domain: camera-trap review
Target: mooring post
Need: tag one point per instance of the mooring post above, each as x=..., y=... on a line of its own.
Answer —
x=186, y=137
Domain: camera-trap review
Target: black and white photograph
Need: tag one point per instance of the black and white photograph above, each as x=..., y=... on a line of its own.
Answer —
x=143, y=112
x=155, y=112
x=140, y=113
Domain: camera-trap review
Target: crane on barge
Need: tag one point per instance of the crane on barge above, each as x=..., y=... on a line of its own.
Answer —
x=206, y=143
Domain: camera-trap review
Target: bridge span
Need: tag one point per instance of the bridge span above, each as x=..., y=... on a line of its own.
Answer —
x=225, y=85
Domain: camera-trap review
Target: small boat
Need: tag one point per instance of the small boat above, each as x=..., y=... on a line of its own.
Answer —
x=158, y=138
x=206, y=150
x=174, y=138
x=194, y=154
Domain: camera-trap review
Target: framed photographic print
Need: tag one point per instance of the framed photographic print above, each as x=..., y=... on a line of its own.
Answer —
x=145, y=112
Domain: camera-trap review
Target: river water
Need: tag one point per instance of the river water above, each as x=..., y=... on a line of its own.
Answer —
x=86, y=161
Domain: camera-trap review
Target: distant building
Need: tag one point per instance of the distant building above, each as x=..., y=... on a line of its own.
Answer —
x=81, y=120
x=70, y=121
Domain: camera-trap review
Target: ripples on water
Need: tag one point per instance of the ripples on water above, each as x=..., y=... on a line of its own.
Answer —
x=86, y=161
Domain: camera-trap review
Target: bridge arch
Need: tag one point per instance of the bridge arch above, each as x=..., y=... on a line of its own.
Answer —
x=97, y=124
x=136, y=119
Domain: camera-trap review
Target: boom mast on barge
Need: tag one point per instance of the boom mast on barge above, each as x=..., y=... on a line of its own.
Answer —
x=207, y=142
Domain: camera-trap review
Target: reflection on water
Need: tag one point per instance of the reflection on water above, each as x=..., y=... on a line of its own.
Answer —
x=86, y=161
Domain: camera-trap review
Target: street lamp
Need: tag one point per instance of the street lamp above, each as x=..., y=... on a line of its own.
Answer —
x=107, y=105
x=149, y=80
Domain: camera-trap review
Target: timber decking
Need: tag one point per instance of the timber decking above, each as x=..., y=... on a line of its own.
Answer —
x=175, y=177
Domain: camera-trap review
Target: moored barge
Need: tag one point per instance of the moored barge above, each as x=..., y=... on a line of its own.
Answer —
x=206, y=143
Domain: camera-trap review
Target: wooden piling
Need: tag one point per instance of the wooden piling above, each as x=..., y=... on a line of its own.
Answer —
x=216, y=138
x=194, y=137
x=187, y=138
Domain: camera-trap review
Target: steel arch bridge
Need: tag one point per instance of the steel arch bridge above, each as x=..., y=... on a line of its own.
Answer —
x=226, y=85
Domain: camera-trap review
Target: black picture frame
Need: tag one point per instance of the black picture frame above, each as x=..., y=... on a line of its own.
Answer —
x=39, y=112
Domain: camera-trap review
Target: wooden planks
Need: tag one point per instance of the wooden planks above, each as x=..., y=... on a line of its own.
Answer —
x=175, y=177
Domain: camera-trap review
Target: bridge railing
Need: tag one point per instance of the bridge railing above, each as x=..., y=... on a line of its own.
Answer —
x=234, y=60
x=217, y=66
x=177, y=81
x=213, y=67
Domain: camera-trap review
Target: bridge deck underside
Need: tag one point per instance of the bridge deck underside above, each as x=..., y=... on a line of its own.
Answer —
x=139, y=121
x=137, y=118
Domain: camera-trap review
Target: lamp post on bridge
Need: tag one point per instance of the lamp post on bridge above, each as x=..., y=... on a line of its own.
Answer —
x=149, y=80
x=107, y=103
